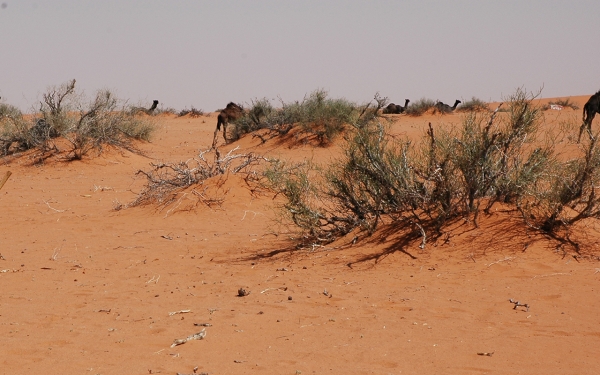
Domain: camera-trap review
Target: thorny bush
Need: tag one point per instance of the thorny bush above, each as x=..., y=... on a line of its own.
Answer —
x=316, y=114
x=165, y=181
x=65, y=114
x=451, y=174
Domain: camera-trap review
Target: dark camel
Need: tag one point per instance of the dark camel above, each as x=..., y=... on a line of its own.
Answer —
x=589, y=112
x=395, y=108
x=231, y=113
x=445, y=108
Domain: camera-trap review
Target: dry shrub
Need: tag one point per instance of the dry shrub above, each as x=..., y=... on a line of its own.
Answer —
x=372, y=179
x=192, y=112
x=298, y=183
x=567, y=193
x=473, y=105
x=419, y=107
x=452, y=174
x=316, y=114
x=167, y=111
x=65, y=115
x=165, y=181
x=567, y=103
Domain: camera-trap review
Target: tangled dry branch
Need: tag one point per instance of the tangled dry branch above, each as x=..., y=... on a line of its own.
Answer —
x=166, y=180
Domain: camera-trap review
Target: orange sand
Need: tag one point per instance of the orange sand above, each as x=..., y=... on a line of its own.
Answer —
x=88, y=290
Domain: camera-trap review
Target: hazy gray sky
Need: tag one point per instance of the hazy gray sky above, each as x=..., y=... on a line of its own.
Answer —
x=207, y=53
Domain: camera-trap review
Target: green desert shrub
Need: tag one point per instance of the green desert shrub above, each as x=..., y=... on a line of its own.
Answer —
x=192, y=112
x=326, y=117
x=260, y=115
x=301, y=205
x=9, y=110
x=488, y=155
x=85, y=125
x=316, y=114
x=101, y=122
x=420, y=107
x=451, y=174
x=473, y=105
x=167, y=111
x=567, y=103
x=15, y=131
x=567, y=193
x=372, y=179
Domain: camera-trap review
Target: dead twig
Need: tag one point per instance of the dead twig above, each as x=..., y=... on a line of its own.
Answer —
x=209, y=202
x=284, y=288
x=519, y=304
x=423, y=235
x=246, y=211
x=52, y=208
x=5, y=178
x=154, y=280
x=501, y=260
x=179, y=312
x=196, y=336
x=55, y=254
x=166, y=180
x=551, y=274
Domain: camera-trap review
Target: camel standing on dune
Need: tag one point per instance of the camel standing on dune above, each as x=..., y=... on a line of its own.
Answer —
x=231, y=113
x=589, y=112
x=445, y=108
x=395, y=108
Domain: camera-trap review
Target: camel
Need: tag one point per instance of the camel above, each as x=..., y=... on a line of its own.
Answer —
x=149, y=111
x=589, y=112
x=445, y=108
x=231, y=113
x=395, y=108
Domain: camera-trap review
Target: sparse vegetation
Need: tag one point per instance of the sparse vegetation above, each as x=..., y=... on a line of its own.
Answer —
x=151, y=111
x=65, y=114
x=261, y=115
x=192, y=112
x=167, y=111
x=374, y=181
x=9, y=110
x=317, y=115
x=420, y=107
x=490, y=157
x=165, y=181
x=324, y=117
x=453, y=173
x=473, y=105
x=567, y=194
x=565, y=103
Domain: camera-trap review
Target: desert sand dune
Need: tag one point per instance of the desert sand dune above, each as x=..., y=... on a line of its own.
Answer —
x=88, y=289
